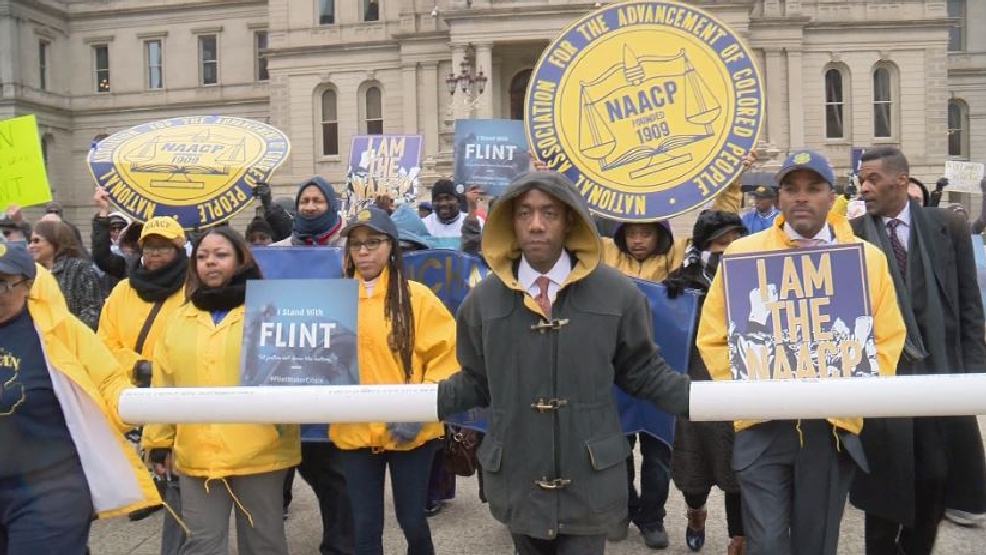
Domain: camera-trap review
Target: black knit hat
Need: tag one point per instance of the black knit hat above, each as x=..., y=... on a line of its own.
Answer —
x=442, y=186
x=711, y=224
x=259, y=225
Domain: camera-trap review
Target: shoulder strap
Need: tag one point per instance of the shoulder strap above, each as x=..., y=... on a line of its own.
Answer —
x=148, y=322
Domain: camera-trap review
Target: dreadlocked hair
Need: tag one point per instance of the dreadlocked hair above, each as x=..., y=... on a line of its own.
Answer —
x=396, y=309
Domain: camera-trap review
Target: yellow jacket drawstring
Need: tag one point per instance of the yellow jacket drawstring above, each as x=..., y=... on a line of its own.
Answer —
x=838, y=442
x=801, y=435
x=177, y=518
x=236, y=500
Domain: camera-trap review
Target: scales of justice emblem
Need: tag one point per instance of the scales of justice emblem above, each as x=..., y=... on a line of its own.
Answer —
x=646, y=109
x=185, y=161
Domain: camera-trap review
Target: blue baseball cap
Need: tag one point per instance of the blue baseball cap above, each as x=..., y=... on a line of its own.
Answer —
x=375, y=219
x=15, y=260
x=805, y=159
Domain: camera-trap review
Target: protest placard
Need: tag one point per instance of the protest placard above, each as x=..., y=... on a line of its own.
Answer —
x=964, y=177
x=792, y=315
x=490, y=153
x=23, y=178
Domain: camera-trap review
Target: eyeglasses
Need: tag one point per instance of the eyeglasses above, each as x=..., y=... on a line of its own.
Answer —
x=6, y=286
x=8, y=232
x=371, y=244
x=157, y=249
x=117, y=227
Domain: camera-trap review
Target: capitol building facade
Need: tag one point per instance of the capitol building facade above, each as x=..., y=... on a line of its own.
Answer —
x=837, y=73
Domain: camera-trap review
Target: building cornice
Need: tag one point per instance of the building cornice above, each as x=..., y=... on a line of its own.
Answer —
x=87, y=13
x=332, y=48
x=422, y=36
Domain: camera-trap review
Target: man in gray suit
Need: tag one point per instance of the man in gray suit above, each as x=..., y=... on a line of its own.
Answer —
x=920, y=466
x=794, y=476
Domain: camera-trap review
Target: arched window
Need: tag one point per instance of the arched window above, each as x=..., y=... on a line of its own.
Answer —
x=330, y=124
x=518, y=93
x=45, y=143
x=958, y=129
x=835, y=103
x=883, y=102
x=373, y=110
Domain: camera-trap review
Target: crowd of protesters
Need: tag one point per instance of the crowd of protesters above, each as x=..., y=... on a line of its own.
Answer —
x=540, y=342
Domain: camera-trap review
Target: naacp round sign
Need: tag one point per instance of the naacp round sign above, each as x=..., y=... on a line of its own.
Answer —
x=648, y=107
x=200, y=170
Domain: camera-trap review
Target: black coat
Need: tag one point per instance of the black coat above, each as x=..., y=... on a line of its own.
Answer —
x=888, y=490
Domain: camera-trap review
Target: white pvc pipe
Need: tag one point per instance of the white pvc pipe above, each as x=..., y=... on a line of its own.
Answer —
x=938, y=395
x=281, y=404
x=931, y=395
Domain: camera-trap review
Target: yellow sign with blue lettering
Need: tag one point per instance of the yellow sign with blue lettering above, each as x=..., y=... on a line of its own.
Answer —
x=647, y=106
x=200, y=170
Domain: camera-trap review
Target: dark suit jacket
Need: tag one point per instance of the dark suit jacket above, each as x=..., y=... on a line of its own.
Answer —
x=888, y=490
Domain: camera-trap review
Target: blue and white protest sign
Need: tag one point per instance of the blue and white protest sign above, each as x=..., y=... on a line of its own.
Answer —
x=490, y=153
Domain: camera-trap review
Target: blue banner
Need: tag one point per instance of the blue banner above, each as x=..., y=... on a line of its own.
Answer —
x=855, y=159
x=792, y=315
x=452, y=274
x=979, y=252
x=490, y=153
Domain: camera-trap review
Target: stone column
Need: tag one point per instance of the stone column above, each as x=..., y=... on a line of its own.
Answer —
x=484, y=61
x=773, y=92
x=434, y=93
x=409, y=75
x=795, y=105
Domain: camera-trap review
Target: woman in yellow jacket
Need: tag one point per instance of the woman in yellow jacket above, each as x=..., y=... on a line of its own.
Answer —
x=406, y=335
x=136, y=311
x=219, y=465
x=62, y=454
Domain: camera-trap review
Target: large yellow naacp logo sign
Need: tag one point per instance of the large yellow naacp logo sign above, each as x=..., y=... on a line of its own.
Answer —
x=200, y=170
x=647, y=106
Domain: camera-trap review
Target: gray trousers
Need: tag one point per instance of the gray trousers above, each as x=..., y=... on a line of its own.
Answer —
x=794, y=492
x=172, y=534
x=207, y=514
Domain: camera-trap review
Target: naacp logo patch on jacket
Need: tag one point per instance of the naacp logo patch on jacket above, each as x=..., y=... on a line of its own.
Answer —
x=200, y=170
x=648, y=107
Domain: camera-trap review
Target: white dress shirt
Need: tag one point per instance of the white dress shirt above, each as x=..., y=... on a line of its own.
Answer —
x=904, y=228
x=824, y=235
x=527, y=276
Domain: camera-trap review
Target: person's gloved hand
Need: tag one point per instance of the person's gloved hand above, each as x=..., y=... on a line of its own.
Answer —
x=941, y=183
x=262, y=191
x=403, y=432
x=674, y=287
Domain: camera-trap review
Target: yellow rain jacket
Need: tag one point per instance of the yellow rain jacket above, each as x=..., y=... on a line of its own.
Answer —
x=888, y=325
x=433, y=360
x=194, y=352
x=88, y=383
x=123, y=317
x=657, y=267
x=45, y=287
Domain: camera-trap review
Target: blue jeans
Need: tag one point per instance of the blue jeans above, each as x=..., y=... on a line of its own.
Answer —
x=46, y=513
x=365, y=472
x=646, y=510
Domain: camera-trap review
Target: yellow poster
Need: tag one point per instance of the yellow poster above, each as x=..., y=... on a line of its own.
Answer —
x=23, y=179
